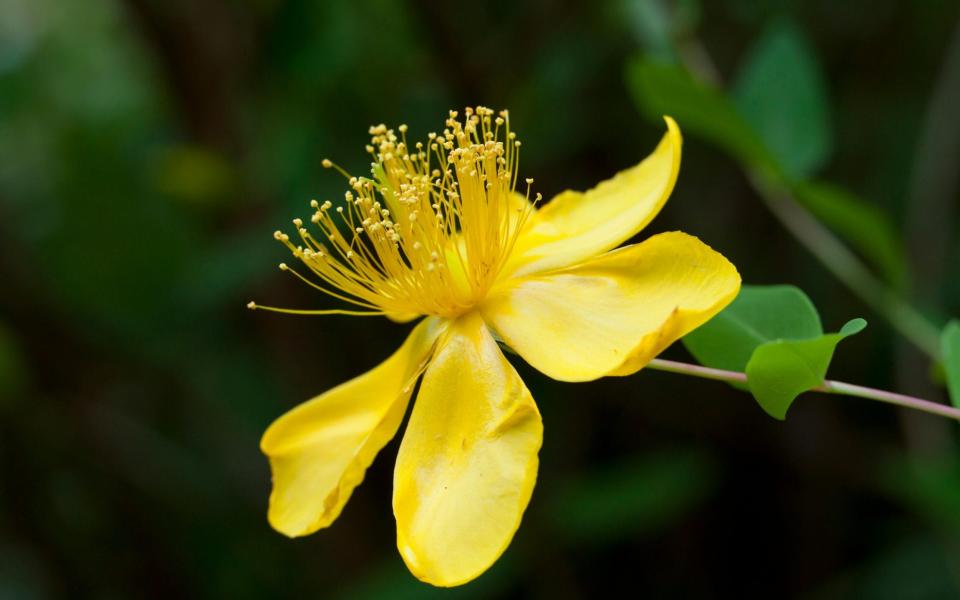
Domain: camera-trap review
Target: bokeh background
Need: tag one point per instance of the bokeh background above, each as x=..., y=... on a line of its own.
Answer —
x=149, y=148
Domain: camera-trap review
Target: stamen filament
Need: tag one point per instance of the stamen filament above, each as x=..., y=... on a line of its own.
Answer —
x=295, y=311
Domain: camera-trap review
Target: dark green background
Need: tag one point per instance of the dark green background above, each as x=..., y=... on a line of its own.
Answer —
x=148, y=150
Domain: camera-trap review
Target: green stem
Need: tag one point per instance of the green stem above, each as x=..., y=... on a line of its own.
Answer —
x=828, y=387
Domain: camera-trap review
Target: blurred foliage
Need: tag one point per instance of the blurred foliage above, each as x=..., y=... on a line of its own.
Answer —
x=862, y=225
x=781, y=93
x=149, y=148
x=706, y=112
x=648, y=494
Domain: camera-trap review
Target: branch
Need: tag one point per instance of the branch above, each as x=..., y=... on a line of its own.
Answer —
x=828, y=387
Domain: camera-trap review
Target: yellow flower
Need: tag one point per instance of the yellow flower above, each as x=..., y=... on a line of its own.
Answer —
x=439, y=231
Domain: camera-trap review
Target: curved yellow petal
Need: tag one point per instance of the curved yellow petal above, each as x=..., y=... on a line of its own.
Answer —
x=320, y=450
x=612, y=314
x=468, y=461
x=577, y=225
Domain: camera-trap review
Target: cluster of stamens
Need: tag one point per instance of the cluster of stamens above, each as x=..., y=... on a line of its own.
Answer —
x=431, y=228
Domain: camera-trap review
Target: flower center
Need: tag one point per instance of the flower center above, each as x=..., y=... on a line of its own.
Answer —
x=431, y=228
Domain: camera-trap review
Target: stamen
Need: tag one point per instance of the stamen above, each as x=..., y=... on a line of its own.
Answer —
x=429, y=231
x=294, y=311
x=327, y=164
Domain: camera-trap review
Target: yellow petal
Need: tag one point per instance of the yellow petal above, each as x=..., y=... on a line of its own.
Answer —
x=468, y=460
x=612, y=314
x=577, y=225
x=320, y=450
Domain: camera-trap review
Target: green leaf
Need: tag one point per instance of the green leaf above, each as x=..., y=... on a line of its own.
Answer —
x=780, y=371
x=655, y=24
x=758, y=315
x=865, y=226
x=772, y=333
x=667, y=89
x=651, y=25
x=642, y=495
x=781, y=92
x=950, y=343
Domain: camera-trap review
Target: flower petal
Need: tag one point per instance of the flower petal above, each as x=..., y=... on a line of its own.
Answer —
x=320, y=450
x=612, y=314
x=577, y=225
x=468, y=461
